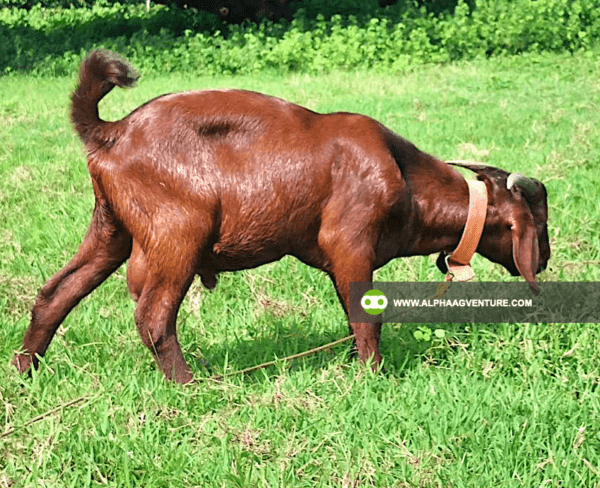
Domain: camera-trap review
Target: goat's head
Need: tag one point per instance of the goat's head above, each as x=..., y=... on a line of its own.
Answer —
x=516, y=232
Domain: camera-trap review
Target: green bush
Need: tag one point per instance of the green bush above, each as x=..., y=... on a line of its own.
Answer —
x=53, y=41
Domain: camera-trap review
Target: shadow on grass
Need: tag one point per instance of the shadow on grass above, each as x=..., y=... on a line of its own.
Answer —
x=400, y=349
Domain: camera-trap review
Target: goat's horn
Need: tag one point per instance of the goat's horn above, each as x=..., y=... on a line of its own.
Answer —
x=472, y=165
x=527, y=184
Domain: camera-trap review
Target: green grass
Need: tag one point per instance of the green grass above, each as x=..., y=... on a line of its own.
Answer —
x=486, y=406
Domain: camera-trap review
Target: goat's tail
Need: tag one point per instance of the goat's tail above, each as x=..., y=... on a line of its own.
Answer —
x=99, y=73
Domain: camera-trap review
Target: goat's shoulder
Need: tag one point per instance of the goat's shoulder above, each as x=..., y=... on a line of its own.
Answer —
x=360, y=155
x=358, y=134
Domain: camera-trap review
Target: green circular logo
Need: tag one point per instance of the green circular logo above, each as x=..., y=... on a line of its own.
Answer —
x=374, y=302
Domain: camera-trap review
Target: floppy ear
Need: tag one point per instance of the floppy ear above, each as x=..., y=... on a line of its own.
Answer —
x=525, y=248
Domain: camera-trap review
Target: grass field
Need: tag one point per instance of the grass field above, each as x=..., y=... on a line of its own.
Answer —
x=485, y=406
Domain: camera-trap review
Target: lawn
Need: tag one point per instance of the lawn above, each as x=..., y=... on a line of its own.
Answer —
x=486, y=405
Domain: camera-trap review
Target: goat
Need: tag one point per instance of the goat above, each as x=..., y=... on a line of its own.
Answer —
x=201, y=182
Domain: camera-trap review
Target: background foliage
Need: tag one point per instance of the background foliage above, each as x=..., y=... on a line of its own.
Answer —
x=48, y=39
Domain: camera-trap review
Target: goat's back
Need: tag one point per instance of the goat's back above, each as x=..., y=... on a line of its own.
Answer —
x=263, y=170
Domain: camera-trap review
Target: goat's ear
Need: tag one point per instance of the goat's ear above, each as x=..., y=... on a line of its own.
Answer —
x=525, y=248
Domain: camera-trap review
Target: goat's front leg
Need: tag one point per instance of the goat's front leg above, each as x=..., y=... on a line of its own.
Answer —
x=357, y=265
x=104, y=249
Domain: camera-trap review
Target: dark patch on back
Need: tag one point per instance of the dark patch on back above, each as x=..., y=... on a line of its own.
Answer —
x=233, y=128
x=216, y=129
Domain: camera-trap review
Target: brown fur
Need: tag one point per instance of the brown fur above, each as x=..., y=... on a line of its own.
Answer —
x=209, y=181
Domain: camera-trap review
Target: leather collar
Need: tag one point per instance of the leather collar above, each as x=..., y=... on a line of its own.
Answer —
x=458, y=263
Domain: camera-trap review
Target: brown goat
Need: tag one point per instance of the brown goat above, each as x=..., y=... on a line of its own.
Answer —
x=209, y=181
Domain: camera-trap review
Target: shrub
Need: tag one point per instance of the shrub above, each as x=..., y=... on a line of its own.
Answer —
x=53, y=40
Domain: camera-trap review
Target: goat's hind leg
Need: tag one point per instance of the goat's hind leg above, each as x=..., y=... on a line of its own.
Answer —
x=167, y=278
x=106, y=246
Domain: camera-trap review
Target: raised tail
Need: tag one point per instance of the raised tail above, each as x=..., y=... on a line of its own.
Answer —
x=99, y=73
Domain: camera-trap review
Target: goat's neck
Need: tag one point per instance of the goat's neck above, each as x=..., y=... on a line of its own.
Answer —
x=441, y=204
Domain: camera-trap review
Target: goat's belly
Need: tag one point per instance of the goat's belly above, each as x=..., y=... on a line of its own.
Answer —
x=250, y=235
x=231, y=259
x=211, y=265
